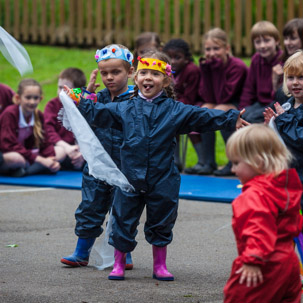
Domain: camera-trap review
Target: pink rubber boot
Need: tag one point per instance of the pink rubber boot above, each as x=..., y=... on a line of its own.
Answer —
x=160, y=271
x=119, y=266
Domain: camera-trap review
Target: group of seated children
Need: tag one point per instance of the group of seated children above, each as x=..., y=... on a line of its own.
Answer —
x=32, y=142
x=224, y=82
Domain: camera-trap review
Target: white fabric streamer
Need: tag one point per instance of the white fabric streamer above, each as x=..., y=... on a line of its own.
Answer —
x=100, y=164
x=15, y=53
x=102, y=255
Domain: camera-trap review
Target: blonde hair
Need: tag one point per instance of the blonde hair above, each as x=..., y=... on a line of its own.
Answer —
x=218, y=35
x=264, y=28
x=293, y=66
x=163, y=57
x=259, y=146
x=37, y=129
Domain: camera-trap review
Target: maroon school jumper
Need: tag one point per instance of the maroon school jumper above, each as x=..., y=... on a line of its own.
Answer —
x=258, y=84
x=9, y=128
x=6, y=96
x=54, y=128
x=187, y=83
x=222, y=83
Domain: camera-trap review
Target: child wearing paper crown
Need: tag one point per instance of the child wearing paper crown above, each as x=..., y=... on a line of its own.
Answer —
x=266, y=218
x=150, y=122
x=115, y=67
x=67, y=150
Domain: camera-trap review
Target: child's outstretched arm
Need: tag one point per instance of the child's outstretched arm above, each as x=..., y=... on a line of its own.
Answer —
x=251, y=273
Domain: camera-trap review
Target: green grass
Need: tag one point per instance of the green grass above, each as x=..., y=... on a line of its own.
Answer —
x=49, y=61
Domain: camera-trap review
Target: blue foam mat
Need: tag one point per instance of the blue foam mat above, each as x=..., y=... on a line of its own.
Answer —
x=192, y=187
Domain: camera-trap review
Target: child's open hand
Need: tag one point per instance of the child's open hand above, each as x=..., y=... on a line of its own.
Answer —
x=92, y=85
x=279, y=109
x=241, y=122
x=251, y=273
x=268, y=114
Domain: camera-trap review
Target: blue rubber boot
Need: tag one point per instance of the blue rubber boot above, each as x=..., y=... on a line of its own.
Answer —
x=80, y=256
x=129, y=262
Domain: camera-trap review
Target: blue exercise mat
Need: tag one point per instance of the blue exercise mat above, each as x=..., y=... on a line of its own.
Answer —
x=192, y=187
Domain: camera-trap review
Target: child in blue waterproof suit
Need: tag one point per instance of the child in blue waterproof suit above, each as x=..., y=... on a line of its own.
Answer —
x=97, y=196
x=288, y=118
x=149, y=122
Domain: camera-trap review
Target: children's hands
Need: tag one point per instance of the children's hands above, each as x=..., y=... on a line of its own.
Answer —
x=92, y=85
x=279, y=109
x=251, y=273
x=268, y=114
x=277, y=72
x=75, y=155
x=241, y=122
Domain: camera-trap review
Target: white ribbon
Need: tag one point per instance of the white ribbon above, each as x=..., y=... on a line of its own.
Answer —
x=100, y=164
x=15, y=53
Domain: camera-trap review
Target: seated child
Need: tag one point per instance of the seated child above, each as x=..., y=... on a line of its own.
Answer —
x=293, y=40
x=6, y=96
x=258, y=88
x=144, y=42
x=67, y=150
x=23, y=139
x=186, y=78
x=266, y=218
x=222, y=79
x=6, y=99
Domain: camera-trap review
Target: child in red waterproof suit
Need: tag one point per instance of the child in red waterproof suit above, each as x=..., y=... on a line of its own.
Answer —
x=265, y=219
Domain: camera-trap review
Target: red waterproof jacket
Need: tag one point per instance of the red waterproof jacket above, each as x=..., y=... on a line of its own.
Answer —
x=265, y=220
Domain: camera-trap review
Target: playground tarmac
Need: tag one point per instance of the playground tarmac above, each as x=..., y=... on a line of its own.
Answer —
x=40, y=223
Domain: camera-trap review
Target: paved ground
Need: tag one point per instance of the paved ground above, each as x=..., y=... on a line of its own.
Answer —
x=41, y=223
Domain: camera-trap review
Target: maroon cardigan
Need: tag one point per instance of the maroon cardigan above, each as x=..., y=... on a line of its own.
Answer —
x=222, y=83
x=9, y=128
x=54, y=128
x=258, y=84
x=187, y=84
x=6, y=96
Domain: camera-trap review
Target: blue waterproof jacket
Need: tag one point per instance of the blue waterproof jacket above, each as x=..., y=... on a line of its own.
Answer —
x=290, y=128
x=111, y=139
x=149, y=130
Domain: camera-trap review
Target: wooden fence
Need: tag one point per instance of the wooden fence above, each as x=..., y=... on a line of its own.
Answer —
x=97, y=22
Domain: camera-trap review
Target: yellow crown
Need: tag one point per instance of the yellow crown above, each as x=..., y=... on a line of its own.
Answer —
x=155, y=64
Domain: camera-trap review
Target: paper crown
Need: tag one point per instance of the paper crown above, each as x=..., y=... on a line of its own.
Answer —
x=155, y=64
x=114, y=52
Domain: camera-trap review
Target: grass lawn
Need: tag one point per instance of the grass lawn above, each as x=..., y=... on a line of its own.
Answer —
x=49, y=61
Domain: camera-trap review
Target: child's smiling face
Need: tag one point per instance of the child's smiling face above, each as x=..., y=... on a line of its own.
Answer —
x=215, y=50
x=29, y=99
x=150, y=82
x=266, y=46
x=294, y=85
x=292, y=43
